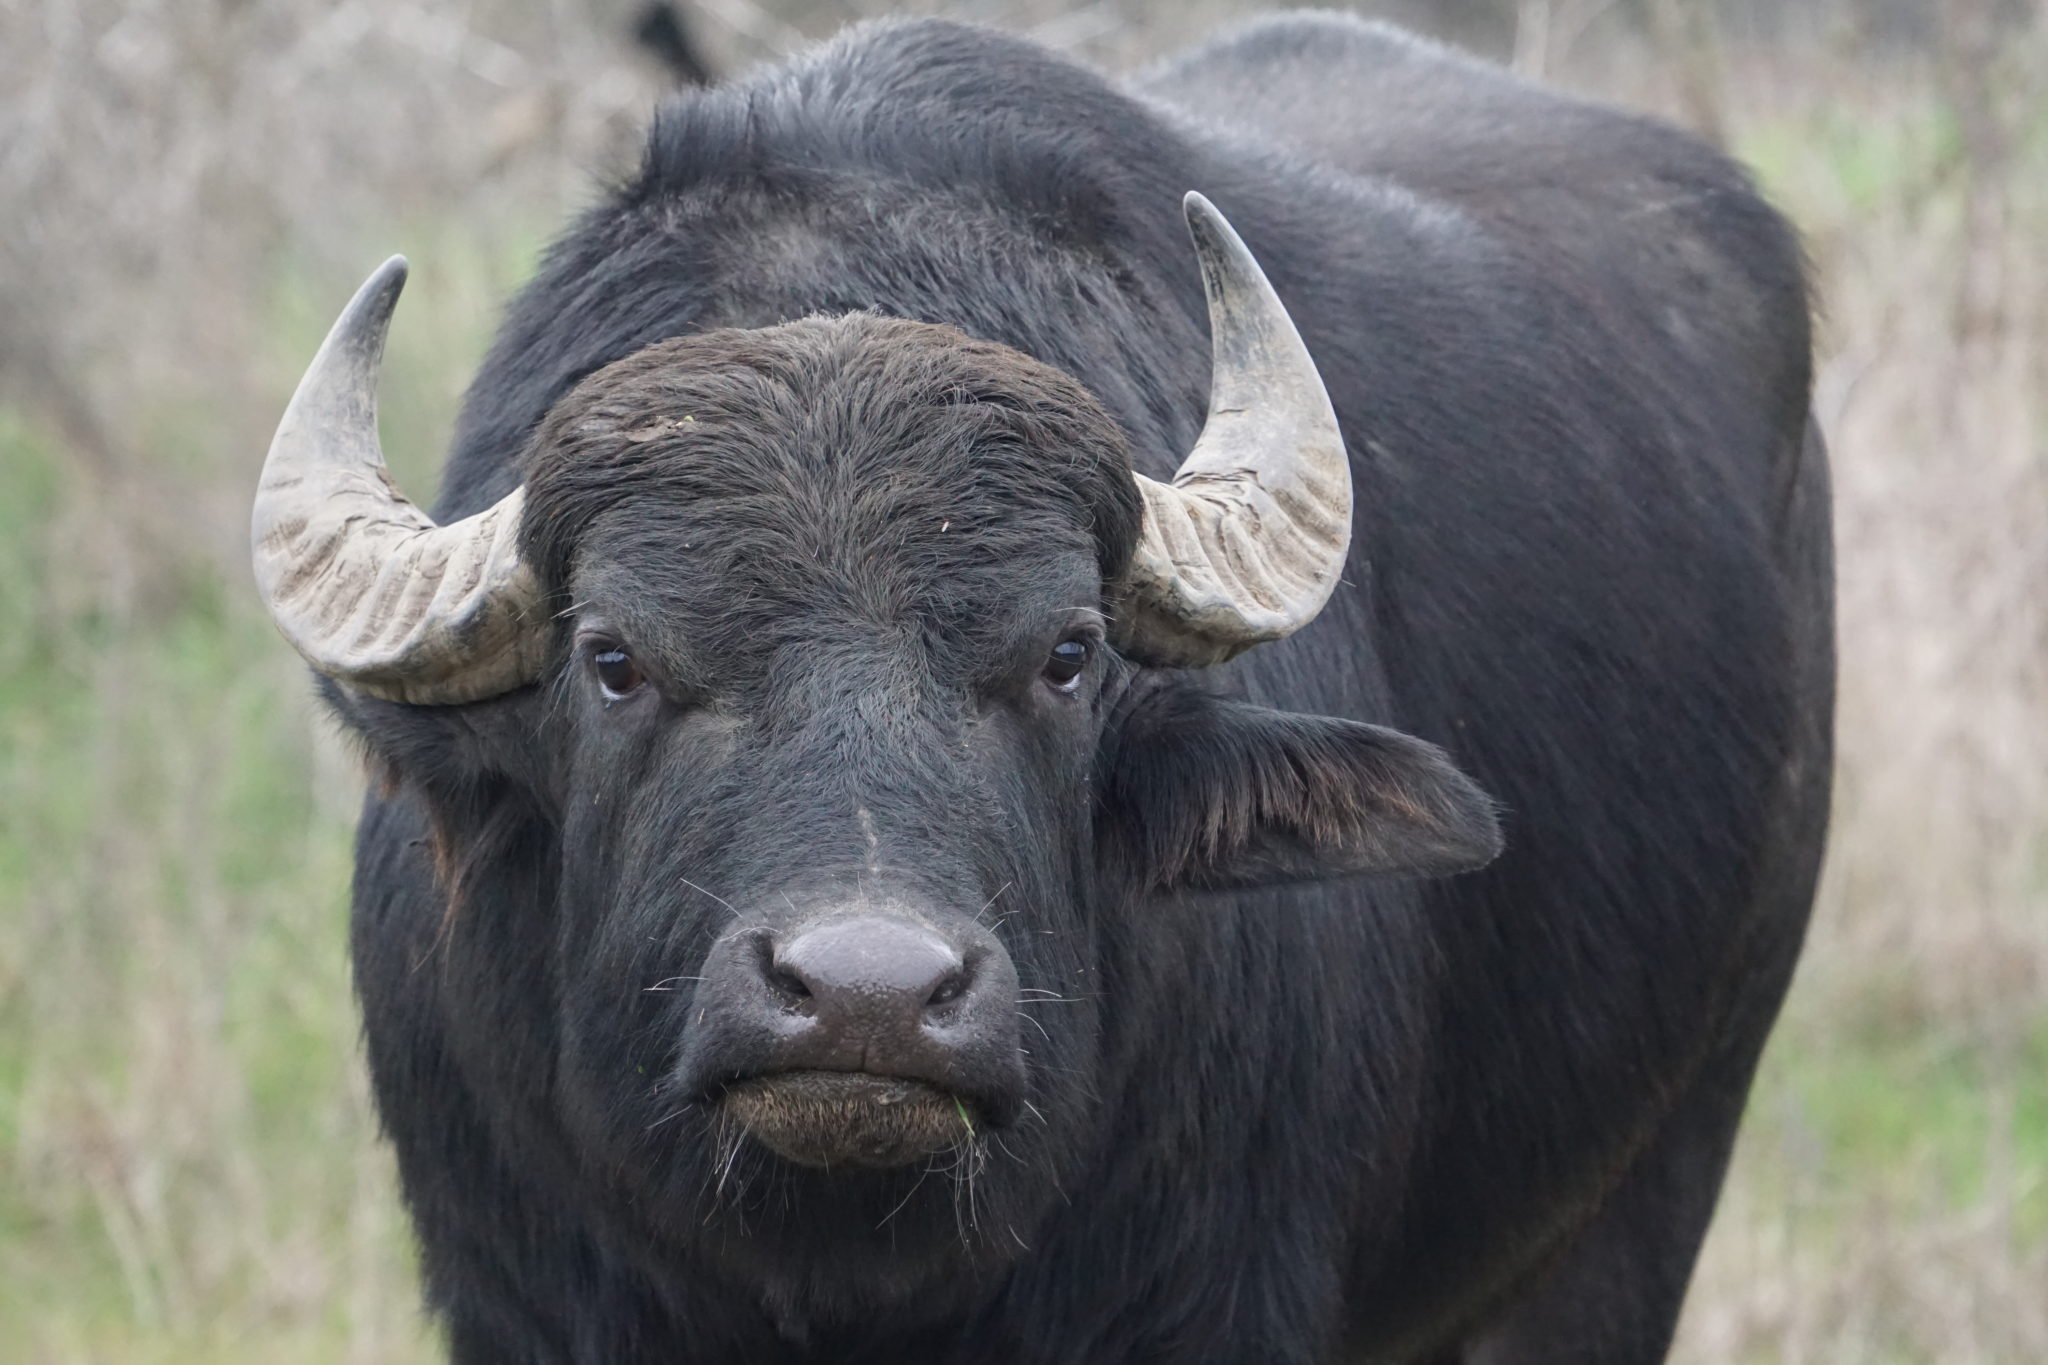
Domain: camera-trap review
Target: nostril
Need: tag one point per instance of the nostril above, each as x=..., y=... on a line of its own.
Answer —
x=782, y=980
x=950, y=988
x=788, y=983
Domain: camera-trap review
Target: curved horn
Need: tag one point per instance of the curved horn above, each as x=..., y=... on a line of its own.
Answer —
x=363, y=583
x=1245, y=545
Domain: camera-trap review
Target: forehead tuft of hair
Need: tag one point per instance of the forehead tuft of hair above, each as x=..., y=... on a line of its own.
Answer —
x=857, y=423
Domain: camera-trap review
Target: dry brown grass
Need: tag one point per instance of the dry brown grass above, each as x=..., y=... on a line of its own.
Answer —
x=1922, y=184
x=188, y=1165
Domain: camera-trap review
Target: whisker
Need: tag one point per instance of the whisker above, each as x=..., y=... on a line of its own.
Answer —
x=905, y=1200
x=720, y=899
x=993, y=899
x=732, y=1157
x=973, y=1156
x=672, y=1115
x=664, y=983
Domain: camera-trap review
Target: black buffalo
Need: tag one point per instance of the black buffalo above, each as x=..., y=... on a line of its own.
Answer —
x=833, y=893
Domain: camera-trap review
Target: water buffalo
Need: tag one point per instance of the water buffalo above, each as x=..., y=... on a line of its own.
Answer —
x=862, y=867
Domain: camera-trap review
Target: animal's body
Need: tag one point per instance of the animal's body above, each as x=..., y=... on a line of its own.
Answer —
x=1264, y=1113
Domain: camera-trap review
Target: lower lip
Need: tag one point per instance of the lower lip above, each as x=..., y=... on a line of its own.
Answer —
x=828, y=1119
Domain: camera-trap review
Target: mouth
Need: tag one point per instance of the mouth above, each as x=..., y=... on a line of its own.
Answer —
x=849, y=1118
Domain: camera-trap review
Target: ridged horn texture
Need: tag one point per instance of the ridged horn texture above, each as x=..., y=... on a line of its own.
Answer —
x=362, y=582
x=1247, y=542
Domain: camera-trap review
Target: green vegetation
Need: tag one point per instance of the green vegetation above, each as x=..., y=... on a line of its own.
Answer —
x=187, y=1159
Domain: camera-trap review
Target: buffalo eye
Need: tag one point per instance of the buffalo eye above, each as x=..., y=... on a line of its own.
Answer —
x=617, y=674
x=1064, y=664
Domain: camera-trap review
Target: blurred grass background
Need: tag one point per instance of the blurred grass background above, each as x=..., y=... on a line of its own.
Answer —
x=189, y=1166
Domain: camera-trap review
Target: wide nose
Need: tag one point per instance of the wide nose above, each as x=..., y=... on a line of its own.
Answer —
x=871, y=978
x=893, y=994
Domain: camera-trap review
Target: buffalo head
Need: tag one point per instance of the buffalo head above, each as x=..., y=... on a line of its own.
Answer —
x=851, y=658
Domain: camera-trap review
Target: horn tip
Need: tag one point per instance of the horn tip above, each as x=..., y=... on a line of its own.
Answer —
x=1215, y=239
x=387, y=280
x=378, y=294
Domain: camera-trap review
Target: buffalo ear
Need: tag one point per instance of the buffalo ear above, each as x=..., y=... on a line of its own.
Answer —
x=1208, y=793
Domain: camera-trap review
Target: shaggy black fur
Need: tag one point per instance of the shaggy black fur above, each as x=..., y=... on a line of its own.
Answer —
x=1271, y=1118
